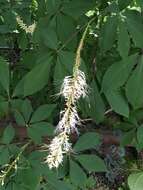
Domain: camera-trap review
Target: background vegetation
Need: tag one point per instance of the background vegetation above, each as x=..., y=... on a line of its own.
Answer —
x=38, y=42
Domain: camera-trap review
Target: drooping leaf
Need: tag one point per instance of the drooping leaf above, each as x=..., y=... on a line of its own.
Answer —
x=92, y=163
x=123, y=40
x=134, y=90
x=87, y=141
x=108, y=33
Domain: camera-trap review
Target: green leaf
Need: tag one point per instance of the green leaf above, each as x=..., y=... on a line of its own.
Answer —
x=108, y=33
x=49, y=37
x=23, y=41
x=92, y=163
x=4, y=106
x=19, y=118
x=135, y=181
x=97, y=107
x=124, y=4
x=45, y=34
x=134, y=90
x=4, y=74
x=65, y=21
x=52, y=6
x=77, y=175
x=8, y=135
x=64, y=65
x=19, y=89
x=26, y=109
x=127, y=138
x=30, y=178
x=58, y=184
x=118, y=73
x=76, y=8
x=43, y=112
x=140, y=137
x=118, y=102
x=123, y=40
x=35, y=80
x=63, y=169
x=4, y=155
x=93, y=106
x=135, y=27
x=38, y=130
x=140, y=3
x=87, y=141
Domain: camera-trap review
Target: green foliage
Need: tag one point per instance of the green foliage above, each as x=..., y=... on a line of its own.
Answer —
x=84, y=143
x=135, y=181
x=33, y=65
x=92, y=163
x=8, y=135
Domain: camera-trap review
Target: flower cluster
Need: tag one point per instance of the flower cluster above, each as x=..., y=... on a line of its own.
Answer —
x=72, y=89
x=28, y=29
x=59, y=145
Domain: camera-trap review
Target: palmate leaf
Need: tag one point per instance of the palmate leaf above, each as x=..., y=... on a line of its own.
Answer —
x=35, y=80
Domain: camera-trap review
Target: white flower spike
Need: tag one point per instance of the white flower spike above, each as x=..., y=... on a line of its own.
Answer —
x=72, y=89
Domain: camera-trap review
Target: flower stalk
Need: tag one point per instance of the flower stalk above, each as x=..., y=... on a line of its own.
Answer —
x=72, y=89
